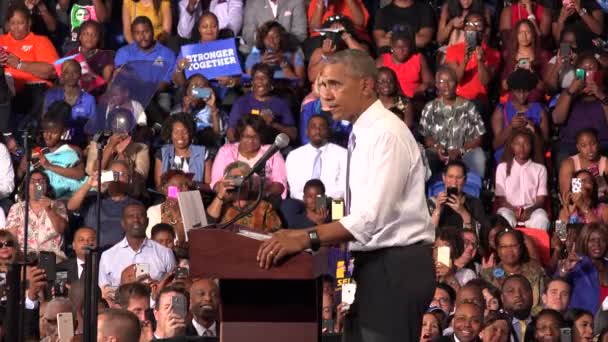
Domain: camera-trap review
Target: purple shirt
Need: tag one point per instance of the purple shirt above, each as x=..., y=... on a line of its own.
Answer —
x=584, y=114
x=247, y=104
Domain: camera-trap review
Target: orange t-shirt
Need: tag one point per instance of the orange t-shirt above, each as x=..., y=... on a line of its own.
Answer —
x=470, y=86
x=339, y=7
x=32, y=48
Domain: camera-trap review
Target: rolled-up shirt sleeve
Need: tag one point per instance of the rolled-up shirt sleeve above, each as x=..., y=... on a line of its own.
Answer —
x=372, y=202
x=7, y=174
x=235, y=15
x=186, y=20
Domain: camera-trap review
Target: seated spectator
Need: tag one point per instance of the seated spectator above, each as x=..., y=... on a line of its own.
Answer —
x=319, y=159
x=114, y=199
x=418, y=15
x=491, y=295
x=546, y=326
x=99, y=61
x=119, y=99
x=134, y=248
x=585, y=268
x=582, y=324
x=450, y=274
x=229, y=202
x=514, y=259
x=468, y=258
x=272, y=47
x=248, y=150
x=560, y=70
x=48, y=219
x=583, y=206
x=525, y=10
x=520, y=111
x=204, y=306
x=310, y=215
x=262, y=102
x=582, y=105
x=181, y=153
x=141, y=35
x=390, y=94
x=410, y=66
x=524, y=52
x=82, y=103
x=475, y=66
x=28, y=59
x=7, y=178
x=497, y=327
x=207, y=116
x=444, y=298
x=557, y=295
x=458, y=209
x=587, y=16
x=84, y=238
x=9, y=250
x=431, y=328
x=452, y=127
x=134, y=297
x=291, y=15
x=49, y=328
x=320, y=11
x=164, y=234
x=169, y=211
x=229, y=15
x=589, y=159
x=119, y=325
x=168, y=322
x=451, y=19
x=344, y=38
x=158, y=13
x=518, y=300
x=521, y=184
x=467, y=322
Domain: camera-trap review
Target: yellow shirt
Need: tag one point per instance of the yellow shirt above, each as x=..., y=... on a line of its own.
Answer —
x=138, y=9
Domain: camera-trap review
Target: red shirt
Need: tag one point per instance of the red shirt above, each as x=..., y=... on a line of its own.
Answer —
x=470, y=86
x=32, y=48
x=339, y=7
x=408, y=73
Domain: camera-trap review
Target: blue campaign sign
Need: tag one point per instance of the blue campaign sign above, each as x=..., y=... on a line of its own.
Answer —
x=212, y=59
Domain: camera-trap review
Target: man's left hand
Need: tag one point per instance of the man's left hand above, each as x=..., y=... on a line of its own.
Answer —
x=282, y=244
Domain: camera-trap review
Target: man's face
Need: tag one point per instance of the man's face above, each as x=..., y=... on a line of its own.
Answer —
x=547, y=329
x=468, y=320
x=101, y=337
x=138, y=306
x=517, y=297
x=143, y=36
x=164, y=308
x=317, y=131
x=135, y=221
x=204, y=299
x=342, y=93
x=442, y=300
x=83, y=238
x=165, y=239
x=557, y=296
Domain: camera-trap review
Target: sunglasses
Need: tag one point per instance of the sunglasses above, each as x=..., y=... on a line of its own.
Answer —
x=6, y=244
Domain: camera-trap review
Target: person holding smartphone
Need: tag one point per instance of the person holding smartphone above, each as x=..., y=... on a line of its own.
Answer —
x=316, y=207
x=200, y=102
x=170, y=311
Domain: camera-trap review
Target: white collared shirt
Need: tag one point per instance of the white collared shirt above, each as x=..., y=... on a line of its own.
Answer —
x=79, y=267
x=116, y=259
x=388, y=203
x=273, y=6
x=300, y=163
x=200, y=330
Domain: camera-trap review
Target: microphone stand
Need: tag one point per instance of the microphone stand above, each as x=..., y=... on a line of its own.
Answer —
x=248, y=210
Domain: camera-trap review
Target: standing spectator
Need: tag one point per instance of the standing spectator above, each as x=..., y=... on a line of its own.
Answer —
x=319, y=159
x=291, y=14
x=204, y=306
x=518, y=300
x=452, y=127
x=7, y=178
x=560, y=71
x=557, y=295
x=319, y=11
x=586, y=15
x=119, y=324
x=229, y=14
x=48, y=219
x=159, y=15
x=527, y=10
x=84, y=237
x=418, y=15
x=475, y=66
x=168, y=322
x=451, y=19
x=521, y=184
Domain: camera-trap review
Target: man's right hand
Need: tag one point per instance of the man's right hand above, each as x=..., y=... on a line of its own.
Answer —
x=328, y=47
x=176, y=326
x=36, y=278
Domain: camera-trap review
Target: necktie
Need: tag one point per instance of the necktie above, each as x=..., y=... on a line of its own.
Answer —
x=316, y=166
x=351, y=146
x=522, y=329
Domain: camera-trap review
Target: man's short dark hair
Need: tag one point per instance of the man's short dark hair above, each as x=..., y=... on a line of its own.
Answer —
x=132, y=290
x=315, y=183
x=517, y=277
x=142, y=20
x=172, y=288
x=320, y=116
x=558, y=279
x=449, y=290
x=162, y=227
x=121, y=323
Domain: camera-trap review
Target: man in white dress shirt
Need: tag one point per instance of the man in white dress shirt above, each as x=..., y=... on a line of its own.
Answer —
x=84, y=237
x=319, y=159
x=387, y=221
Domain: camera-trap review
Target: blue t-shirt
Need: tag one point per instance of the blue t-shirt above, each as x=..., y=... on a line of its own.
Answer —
x=83, y=110
x=294, y=58
x=161, y=57
x=247, y=104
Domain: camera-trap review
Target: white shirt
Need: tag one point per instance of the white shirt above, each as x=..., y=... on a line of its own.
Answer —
x=229, y=14
x=300, y=163
x=7, y=174
x=116, y=259
x=388, y=204
x=273, y=7
x=200, y=330
x=79, y=266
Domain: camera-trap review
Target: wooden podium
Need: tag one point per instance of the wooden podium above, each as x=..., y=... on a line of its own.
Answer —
x=276, y=305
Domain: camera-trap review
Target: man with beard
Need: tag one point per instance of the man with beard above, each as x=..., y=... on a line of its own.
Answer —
x=204, y=303
x=134, y=248
x=114, y=200
x=517, y=299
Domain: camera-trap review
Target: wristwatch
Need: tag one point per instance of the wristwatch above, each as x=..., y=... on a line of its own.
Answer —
x=583, y=12
x=315, y=242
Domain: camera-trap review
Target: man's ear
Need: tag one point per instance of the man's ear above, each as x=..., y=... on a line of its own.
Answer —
x=544, y=298
x=368, y=87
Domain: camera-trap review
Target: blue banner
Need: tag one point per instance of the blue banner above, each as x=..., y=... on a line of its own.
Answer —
x=212, y=59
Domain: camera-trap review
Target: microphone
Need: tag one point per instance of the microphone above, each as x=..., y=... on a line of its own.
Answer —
x=281, y=141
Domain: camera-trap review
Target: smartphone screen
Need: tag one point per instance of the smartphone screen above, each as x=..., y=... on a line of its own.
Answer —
x=38, y=192
x=141, y=270
x=576, y=185
x=181, y=273
x=46, y=261
x=561, y=230
x=443, y=255
x=320, y=202
x=201, y=93
x=107, y=176
x=580, y=74
x=564, y=49
x=337, y=210
x=565, y=334
x=178, y=305
x=65, y=326
x=451, y=191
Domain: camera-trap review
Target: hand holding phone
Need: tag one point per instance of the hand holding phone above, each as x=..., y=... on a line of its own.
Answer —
x=443, y=256
x=178, y=305
x=65, y=326
x=108, y=176
x=141, y=270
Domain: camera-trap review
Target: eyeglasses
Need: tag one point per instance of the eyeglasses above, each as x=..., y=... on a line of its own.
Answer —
x=474, y=24
x=335, y=18
x=6, y=244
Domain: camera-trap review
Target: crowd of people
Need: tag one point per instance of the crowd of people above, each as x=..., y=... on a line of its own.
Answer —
x=507, y=101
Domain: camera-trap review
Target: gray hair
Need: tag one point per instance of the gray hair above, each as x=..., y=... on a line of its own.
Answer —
x=244, y=167
x=357, y=63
